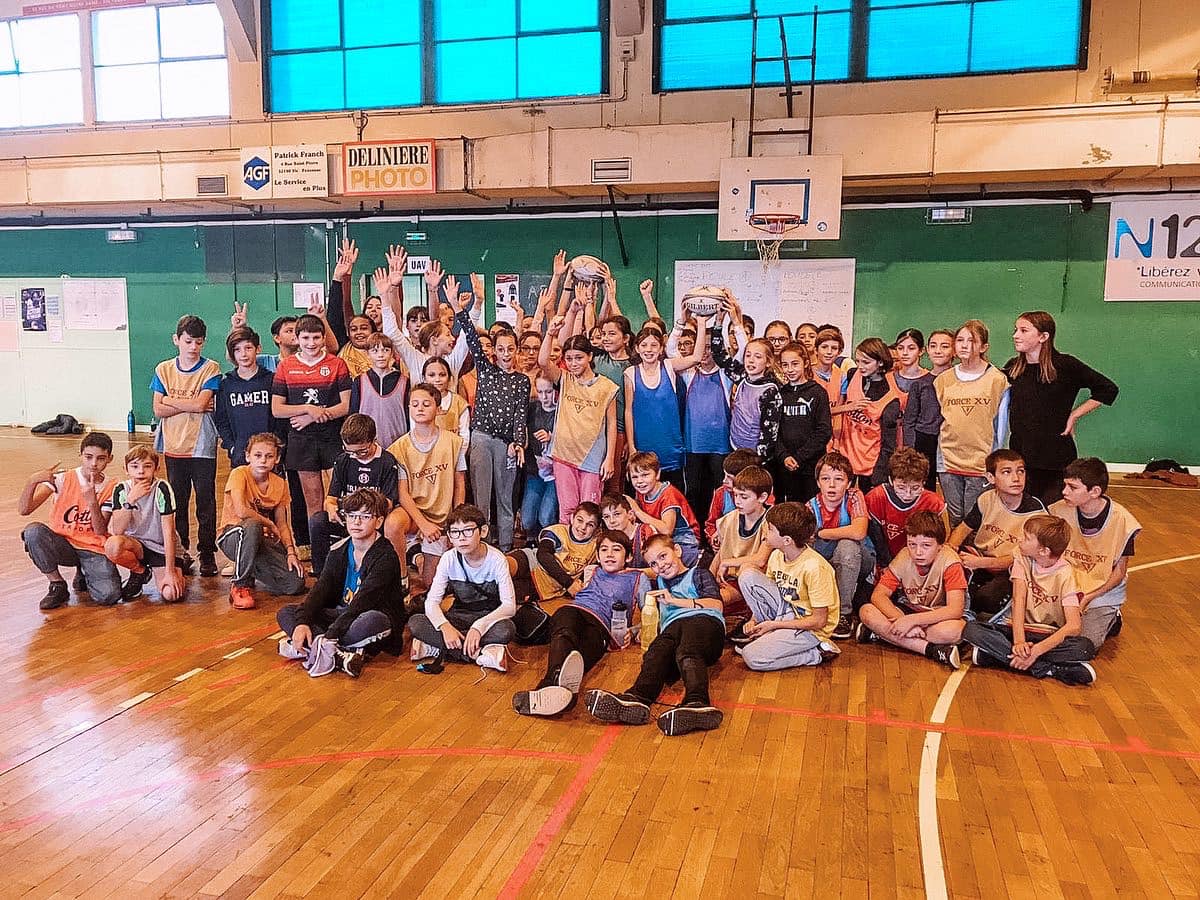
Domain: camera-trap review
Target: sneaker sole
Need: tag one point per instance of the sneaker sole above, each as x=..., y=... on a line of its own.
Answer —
x=610, y=708
x=549, y=701
x=570, y=676
x=684, y=720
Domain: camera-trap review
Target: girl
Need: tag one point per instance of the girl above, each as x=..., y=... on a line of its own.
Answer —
x=652, y=420
x=381, y=392
x=539, y=507
x=754, y=385
x=455, y=416
x=778, y=335
x=611, y=361
x=941, y=351
x=971, y=396
x=528, y=345
x=871, y=413
x=1045, y=384
x=806, y=334
x=585, y=437
x=796, y=428
x=922, y=415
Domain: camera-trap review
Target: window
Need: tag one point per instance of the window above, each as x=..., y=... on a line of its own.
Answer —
x=706, y=43
x=164, y=62
x=40, y=78
x=357, y=54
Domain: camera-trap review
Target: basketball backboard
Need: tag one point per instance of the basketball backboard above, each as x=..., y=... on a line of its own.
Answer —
x=807, y=187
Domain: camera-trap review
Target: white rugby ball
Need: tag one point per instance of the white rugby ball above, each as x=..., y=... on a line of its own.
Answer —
x=587, y=268
x=704, y=300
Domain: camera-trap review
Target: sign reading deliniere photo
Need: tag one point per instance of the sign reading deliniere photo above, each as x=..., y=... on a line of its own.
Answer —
x=1153, y=251
x=285, y=173
x=380, y=168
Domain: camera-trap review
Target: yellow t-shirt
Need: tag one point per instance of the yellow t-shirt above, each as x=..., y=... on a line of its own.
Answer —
x=265, y=500
x=806, y=583
x=430, y=473
x=969, y=410
x=1096, y=555
x=1048, y=592
x=1000, y=528
x=573, y=555
x=579, y=430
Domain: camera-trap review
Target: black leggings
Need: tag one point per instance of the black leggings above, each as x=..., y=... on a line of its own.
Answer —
x=927, y=446
x=683, y=650
x=571, y=628
x=703, y=473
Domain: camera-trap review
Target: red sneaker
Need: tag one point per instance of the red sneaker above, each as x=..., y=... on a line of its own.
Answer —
x=241, y=597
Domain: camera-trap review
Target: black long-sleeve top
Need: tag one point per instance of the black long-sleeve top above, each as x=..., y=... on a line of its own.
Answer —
x=1038, y=412
x=378, y=588
x=501, y=397
x=796, y=422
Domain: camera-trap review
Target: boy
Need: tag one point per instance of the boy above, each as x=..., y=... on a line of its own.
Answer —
x=920, y=597
x=357, y=603
x=892, y=504
x=690, y=638
x=741, y=536
x=1042, y=636
x=996, y=520
x=432, y=467
x=1102, y=536
x=141, y=528
x=581, y=630
x=255, y=529
x=554, y=570
x=76, y=533
x=794, y=603
x=381, y=392
x=312, y=391
x=663, y=507
x=617, y=513
x=243, y=405
x=478, y=625
x=362, y=464
x=842, y=519
x=183, y=389
x=722, y=499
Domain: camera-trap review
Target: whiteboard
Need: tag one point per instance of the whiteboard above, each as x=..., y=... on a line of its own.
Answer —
x=794, y=290
x=94, y=304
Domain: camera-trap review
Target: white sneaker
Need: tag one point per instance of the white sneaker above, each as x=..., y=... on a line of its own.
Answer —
x=570, y=675
x=287, y=651
x=493, y=656
x=322, y=657
x=228, y=570
x=421, y=650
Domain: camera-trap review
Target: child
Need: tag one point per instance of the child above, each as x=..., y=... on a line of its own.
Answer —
x=256, y=532
x=829, y=373
x=842, y=520
x=778, y=334
x=611, y=359
x=663, y=507
x=455, y=415
x=141, y=528
x=922, y=415
x=996, y=521
x=794, y=603
x=919, y=599
x=904, y=494
x=691, y=636
x=243, y=405
x=312, y=391
x=618, y=515
x=433, y=480
x=722, y=501
x=754, y=385
x=555, y=569
x=381, y=391
x=357, y=603
x=941, y=351
x=1102, y=536
x=183, y=390
x=76, y=533
x=806, y=336
x=741, y=536
x=478, y=625
x=540, y=505
x=871, y=412
x=362, y=464
x=1042, y=636
x=796, y=426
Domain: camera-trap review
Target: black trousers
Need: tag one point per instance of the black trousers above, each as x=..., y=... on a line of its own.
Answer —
x=703, y=474
x=799, y=486
x=683, y=650
x=989, y=592
x=186, y=473
x=322, y=533
x=573, y=629
x=1045, y=484
x=299, y=507
x=927, y=446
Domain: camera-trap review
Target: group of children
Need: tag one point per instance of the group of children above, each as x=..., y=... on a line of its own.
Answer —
x=817, y=474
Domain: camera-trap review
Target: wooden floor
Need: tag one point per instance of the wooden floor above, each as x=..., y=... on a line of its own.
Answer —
x=168, y=751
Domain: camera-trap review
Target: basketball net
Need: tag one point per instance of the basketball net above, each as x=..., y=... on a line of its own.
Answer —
x=772, y=225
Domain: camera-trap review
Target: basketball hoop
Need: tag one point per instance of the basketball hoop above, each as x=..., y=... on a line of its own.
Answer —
x=773, y=225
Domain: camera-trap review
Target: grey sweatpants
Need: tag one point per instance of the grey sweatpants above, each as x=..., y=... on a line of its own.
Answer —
x=491, y=478
x=781, y=649
x=851, y=560
x=258, y=558
x=48, y=549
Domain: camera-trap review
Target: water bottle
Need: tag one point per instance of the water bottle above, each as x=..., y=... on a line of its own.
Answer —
x=619, y=626
x=649, y=620
x=130, y=424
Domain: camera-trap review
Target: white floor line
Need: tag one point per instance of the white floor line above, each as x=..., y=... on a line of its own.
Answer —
x=277, y=636
x=236, y=653
x=134, y=701
x=927, y=820
x=1163, y=562
x=188, y=674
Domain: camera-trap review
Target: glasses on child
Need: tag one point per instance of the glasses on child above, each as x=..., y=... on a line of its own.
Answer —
x=359, y=516
x=465, y=532
x=358, y=452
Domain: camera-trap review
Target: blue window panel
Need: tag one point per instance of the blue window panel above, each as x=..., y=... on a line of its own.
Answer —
x=378, y=23
x=930, y=40
x=785, y=7
x=302, y=82
x=559, y=65
x=470, y=71
x=697, y=9
x=883, y=4
x=833, y=47
x=705, y=54
x=462, y=19
x=559, y=15
x=383, y=76
x=303, y=24
x=1002, y=39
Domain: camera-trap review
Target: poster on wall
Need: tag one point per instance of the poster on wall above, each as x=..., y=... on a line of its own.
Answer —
x=508, y=298
x=33, y=309
x=307, y=293
x=94, y=304
x=285, y=172
x=1153, y=251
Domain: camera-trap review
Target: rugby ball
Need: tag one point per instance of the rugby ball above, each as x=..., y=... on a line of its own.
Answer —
x=587, y=268
x=704, y=300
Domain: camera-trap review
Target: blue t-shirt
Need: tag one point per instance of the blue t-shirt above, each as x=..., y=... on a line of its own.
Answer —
x=350, y=585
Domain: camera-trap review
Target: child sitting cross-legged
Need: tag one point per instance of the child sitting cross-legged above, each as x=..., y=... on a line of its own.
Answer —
x=356, y=608
x=919, y=599
x=581, y=631
x=741, y=535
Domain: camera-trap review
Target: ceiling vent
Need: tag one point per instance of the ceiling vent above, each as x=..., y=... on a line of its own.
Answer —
x=212, y=186
x=612, y=171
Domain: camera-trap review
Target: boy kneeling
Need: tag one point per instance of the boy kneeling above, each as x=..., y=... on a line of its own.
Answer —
x=690, y=639
x=919, y=601
x=357, y=605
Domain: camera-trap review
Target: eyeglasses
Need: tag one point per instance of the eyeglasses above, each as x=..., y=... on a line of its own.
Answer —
x=360, y=516
x=464, y=532
x=360, y=453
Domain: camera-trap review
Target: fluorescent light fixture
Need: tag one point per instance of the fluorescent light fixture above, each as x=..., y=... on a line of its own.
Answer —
x=121, y=236
x=948, y=215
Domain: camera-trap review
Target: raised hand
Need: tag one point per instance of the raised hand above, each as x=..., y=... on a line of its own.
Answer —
x=238, y=319
x=433, y=276
x=380, y=280
x=347, y=257
x=397, y=260
x=452, y=294
x=556, y=325
x=560, y=262
x=315, y=306
x=647, y=289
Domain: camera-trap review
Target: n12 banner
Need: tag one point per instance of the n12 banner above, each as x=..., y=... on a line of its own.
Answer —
x=1153, y=250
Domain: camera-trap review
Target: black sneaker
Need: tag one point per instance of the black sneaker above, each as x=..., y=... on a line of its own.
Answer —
x=844, y=629
x=132, y=588
x=688, y=718
x=187, y=563
x=863, y=634
x=624, y=709
x=350, y=662
x=56, y=596
x=547, y=701
x=79, y=583
x=208, y=565
x=946, y=654
x=983, y=660
x=432, y=665
x=1079, y=673
x=1115, y=628
x=738, y=636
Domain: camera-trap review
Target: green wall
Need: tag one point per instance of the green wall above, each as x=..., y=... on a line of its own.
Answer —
x=1011, y=258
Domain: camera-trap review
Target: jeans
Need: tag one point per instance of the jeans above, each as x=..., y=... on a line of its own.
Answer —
x=539, y=507
x=781, y=649
x=961, y=492
x=48, y=549
x=491, y=478
x=573, y=629
x=185, y=473
x=257, y=557
x=574, y=486
x=422, y=630
x=997, y=642
x=369, y=627
x=683, y=650
x=321, y=533
x=851, y=561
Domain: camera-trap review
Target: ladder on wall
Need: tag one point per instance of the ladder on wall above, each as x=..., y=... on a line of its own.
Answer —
x=790, y=87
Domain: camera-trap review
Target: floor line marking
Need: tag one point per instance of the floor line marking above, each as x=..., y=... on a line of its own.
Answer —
x=236, y=653
x=1163, y=562
x=134, y=701
x=190, y=673
x=927, y=819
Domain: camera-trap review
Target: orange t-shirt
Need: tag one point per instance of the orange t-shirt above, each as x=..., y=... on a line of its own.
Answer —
x=72, y=516
x=264, y=500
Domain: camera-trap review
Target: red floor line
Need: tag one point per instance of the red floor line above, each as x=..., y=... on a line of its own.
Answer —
x=558, y=816
x=230, y=682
